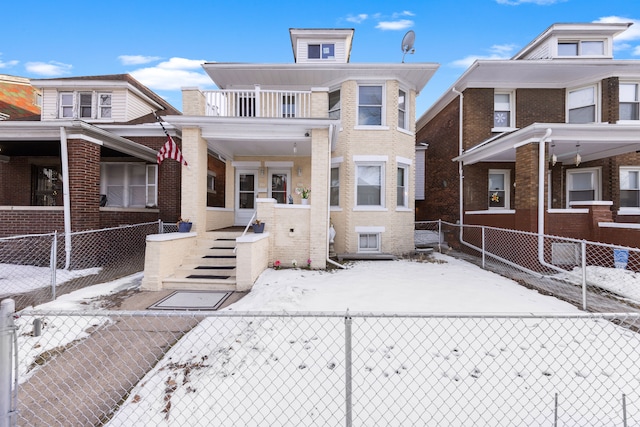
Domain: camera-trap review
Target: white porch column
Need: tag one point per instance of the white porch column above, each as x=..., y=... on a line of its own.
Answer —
x=320, y=169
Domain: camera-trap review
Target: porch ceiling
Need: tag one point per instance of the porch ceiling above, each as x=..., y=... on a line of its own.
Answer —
x=593, y=141
x=241, y=136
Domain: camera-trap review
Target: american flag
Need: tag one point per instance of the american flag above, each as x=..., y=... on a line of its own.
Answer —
x=170, y=149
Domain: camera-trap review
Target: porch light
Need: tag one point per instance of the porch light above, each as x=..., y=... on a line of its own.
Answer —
x=578, y=157
x=553, y=158
x=299, y=171
x=295, y=148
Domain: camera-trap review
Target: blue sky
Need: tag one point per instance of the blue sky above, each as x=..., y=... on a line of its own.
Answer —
x=162, y=43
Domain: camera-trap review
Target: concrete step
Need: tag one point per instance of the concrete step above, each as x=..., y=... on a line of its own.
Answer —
x=199, y=284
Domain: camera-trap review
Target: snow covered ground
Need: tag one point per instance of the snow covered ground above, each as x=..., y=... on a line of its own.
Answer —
x=423, y=367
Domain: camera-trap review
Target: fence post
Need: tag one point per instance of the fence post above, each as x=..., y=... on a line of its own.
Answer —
x=347, y=370
x=583, y=249
x=160, y=227
x=483, y=249
x=7, y=309
x=440, y=235
x=53, y=262
x=624, y=410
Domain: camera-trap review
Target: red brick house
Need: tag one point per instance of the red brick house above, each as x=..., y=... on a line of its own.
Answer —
x=89, y=161
x=546, y=142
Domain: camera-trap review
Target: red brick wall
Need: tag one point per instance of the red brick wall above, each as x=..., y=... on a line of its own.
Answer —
x=539, y=106
x=218, y=166
x=478, y=116
x=441, y=201
x=16, y=222
x=84, y=182
x=610, y=100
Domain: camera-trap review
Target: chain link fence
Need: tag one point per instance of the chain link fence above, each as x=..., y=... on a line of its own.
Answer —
x=254, y=369
x=598, y=277
x=36, y=268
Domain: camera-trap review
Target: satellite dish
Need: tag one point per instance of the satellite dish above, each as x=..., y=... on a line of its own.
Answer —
x=407, y=43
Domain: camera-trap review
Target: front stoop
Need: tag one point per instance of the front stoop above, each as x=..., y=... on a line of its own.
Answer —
x=211, y=265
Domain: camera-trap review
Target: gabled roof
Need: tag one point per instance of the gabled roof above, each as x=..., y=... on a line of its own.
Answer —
x=109, y=81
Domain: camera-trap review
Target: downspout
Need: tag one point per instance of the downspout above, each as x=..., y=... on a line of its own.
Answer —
x=329, y=260
x=66, y=199
x=460, y=176
x=541, y=175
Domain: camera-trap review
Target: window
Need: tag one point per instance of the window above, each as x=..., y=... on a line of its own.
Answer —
x=582, y=105
x=129, y=185
x=66, y=104
x=279, y=188
x=499, y=185
x=581, y=48
x=211, y=182
x=369, y=242
x=45, y=182
x=583, y=185
x=402, y=200
x=629, y=101
x=369, y=178
x=321, y=51
x=630, y=187
x=104, y=105
x=334, y=104
x=402, y=110
x=85, y=105
x=370, y=105
x=334, y=199
x=502, y=117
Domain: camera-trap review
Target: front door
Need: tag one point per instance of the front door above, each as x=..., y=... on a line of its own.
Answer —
x=246, y=193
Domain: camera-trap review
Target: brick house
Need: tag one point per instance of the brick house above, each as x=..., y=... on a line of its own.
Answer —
x=100, y=132
x=344, y=130
x=545, y=142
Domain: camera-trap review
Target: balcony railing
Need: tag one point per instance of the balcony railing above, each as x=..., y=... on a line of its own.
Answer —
x=258, y=103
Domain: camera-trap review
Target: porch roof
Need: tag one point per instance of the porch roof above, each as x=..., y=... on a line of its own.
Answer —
x=593, y=141
x=256, y=136
x=18, y=132
x=303, y=76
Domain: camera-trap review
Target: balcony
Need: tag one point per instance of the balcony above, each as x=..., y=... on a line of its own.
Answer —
x=258, y=103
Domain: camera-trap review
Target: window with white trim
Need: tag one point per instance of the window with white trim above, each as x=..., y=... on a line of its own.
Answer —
x=370, y=105
x=581, y=48
x=402, y=195
x=630, y=187
x=502, y=110
x=403, y=116
x=581, y=105
x=129, y=185
x=499, y=186
x=370, y=184
x=334, y=104
x=66, y=104
x=104, y=105
x=85, y=104
x=583, y=185
x=321, y=51
x=334, y=198
x=629, y=101
x=368, y=242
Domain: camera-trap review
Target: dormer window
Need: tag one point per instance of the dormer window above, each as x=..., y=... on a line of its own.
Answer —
x=581, y=48
x=85, y=105
x=321, y=51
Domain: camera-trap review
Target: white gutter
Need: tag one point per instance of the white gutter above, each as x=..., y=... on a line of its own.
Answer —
x=64, y=157
x=329, y=260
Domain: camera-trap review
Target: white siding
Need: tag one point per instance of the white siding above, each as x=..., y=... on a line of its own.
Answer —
x=136, y=107
x=541, y=52
x=118, y=104
x=49, y=104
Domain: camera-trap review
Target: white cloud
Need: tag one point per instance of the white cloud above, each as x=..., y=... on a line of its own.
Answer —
x=395, y=25
x=403, y=13
x=181, y=64
x=498, y=51
x=538, y=2
x=631, y=33
x=357, y=19
x=51, y=68
x=8, y=64
x=636, y=51
x=137, y=59
x=170, y=79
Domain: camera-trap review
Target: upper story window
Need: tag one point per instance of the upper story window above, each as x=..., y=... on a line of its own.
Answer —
x=403, y=117
x=85, y=105
x=502, y=110
x=402, y=180
x=321, y=51
x=334, y=198
x=334, y=104
x=581, y=48
x=581, y=105
x=370, y=105
x=629, y=101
